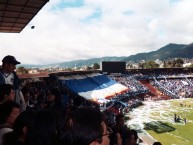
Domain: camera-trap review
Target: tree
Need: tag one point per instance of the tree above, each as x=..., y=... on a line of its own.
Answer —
x=179, y=62
x=96, y=66
x=165, y=64
x=88, y=68
x=22, y=70
x=141, y=65
x=151, y=64
x=169, y=64
x=69, y=69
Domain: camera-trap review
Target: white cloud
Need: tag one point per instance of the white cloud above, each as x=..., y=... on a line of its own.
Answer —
x=123, y=28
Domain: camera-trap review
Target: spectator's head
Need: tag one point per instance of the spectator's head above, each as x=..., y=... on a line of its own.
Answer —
x=43, y=130
x=120, y=120
x=34, y=94
x=9, y=111
x=23, y=121
x=26, y=93
x=9, y=63
x=20, y=128
x=6, y=93
x=156, y=143
x=85, y=126
x=115, y=138
x=130, y=137
x=54, y=95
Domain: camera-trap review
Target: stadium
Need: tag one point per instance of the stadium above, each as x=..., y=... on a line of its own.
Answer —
x=156, y=102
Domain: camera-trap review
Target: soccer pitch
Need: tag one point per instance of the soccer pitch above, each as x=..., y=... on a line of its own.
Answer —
x=157, y=119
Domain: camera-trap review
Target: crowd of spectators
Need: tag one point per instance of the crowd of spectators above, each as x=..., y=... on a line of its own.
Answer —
x=176, y=88
x=45, y=119
x=55, y=115
x=128, y=80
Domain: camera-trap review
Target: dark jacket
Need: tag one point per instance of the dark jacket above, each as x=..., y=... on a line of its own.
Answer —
x=16, y=81
x=18, y=95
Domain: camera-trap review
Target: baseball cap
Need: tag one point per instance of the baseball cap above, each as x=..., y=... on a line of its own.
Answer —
x=10, y=59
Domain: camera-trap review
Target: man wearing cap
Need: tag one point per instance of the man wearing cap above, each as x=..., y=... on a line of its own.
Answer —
x=9, y=76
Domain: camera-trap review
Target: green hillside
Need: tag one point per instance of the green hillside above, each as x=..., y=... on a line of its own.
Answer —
x=168, y=51
x=89, y=62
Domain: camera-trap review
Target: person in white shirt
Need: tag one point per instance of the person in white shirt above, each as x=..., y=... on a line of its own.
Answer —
x=9, y=76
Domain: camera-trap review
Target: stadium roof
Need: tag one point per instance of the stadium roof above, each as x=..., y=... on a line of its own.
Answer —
x=16, y=14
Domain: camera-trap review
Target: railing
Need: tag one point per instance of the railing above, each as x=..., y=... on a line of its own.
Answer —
x=168, y=91
x=188, y=80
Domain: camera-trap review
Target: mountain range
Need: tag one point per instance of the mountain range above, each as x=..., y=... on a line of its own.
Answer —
x=169, y=51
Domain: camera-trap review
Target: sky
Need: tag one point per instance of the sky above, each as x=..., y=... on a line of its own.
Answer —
x=67, y=30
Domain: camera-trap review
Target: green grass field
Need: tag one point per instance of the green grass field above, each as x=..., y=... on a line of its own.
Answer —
x=157, y=119
x=170, y=133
